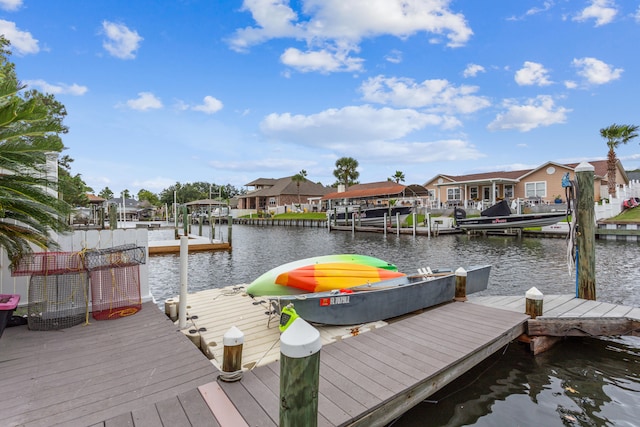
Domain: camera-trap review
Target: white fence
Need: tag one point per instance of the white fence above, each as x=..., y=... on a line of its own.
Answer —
x=76, y=242
x=614, y=206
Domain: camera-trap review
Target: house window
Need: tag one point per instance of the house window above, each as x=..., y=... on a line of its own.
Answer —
x=453, y=194
x=535, y=189
x=432, y=194
x=508, y=191
x=473, y=193
x=272, y=201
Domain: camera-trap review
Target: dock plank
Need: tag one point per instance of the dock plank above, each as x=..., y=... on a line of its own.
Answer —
x=90, y=374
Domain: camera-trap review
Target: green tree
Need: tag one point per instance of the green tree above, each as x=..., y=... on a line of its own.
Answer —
x=106, y=193
x=29, y=134
x=126, y=194
x=298, y=178
x=146, y=195
x=398, y=177
x=72, y=189
x=346, y=171
x=616, y=135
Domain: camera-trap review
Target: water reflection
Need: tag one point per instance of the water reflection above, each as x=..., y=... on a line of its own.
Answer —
x=586, y=382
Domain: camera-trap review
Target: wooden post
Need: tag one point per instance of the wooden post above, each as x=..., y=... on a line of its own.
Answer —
x=461, y=284
x=414, y=219
x=200, y=226
x=233, y=340
x=300, y=346
x=385, y=224
x=533, y=302
x=113, y=217
x=229, y=228
x=586, y=259
x=185, y=221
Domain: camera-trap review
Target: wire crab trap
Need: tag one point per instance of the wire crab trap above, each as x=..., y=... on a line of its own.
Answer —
x=115, y=292
x=58, y=301
x=115, y=257
x=49, y=263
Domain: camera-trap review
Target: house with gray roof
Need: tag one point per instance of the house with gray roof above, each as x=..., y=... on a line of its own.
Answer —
x=270, y=194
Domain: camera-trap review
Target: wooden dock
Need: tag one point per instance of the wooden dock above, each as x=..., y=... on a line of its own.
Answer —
x=195, y=244
x=566, y=315
x=141, y=371
x=136, y=370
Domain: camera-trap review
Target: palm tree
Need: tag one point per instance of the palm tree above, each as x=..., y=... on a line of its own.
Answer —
x=397, y=178
x=616, y=135
x=298, y=178
x=346, y=171
x=29, y=206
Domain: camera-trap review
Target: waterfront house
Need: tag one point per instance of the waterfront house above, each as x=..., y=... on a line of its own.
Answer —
x=380, y=193
x=541, y=185
x=282, y=194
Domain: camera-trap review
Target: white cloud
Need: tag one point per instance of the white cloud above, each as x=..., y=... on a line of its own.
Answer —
x=531, y=74
x=121, y=42
x=636, y=15
x=595, y=71
x=395, y=56
x=536, y=112
x=210, y=105
x=145, y=101
x=472, y=70
x=10, y=5
x=335, y=27
x=570, y=84
x=603, y=11
x=57, y=89
x=436, y=95
x=21, y=41
x=323, y=60
x=335, y=128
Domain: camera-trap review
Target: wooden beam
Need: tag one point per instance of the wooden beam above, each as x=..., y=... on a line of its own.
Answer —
x=580, y=327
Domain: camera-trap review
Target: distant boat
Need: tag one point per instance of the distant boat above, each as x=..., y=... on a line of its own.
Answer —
x=322, y=272
x=372, y=217
x=380, y=300
x=499, y=217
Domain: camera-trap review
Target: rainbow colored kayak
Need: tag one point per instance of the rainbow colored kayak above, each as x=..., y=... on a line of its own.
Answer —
x=334, y=275
x=298, y=277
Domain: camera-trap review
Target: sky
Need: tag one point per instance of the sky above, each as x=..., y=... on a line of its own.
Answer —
x=228, y=91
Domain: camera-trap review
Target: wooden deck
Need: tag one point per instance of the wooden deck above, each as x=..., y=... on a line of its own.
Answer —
x=141, y=371
x=136, y=370
x=372, y=378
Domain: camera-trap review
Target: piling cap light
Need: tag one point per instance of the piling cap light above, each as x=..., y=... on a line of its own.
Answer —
x=534, y=294
x=233, y=336
x=300, y=340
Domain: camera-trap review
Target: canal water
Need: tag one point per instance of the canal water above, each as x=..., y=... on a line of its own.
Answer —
x=580, y=382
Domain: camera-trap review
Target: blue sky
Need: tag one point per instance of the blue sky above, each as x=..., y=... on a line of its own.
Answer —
x=159, y=92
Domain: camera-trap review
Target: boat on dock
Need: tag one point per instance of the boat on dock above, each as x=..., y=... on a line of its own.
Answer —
x=499, y=217
x=381, y=300
x=372, y=217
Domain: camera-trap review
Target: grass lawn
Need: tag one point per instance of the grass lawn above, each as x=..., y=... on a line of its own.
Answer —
x=628, y=215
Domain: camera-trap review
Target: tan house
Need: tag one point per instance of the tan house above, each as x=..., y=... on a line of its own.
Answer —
x=271, y=193
x=540, y=185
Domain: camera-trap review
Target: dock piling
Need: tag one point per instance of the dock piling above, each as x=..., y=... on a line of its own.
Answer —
x=233, y=341
x=461, y=284
x=182, y=306
x=300, y=346
x=586, y=279
x=533, y=302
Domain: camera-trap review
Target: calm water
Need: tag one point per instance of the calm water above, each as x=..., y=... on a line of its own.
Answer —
x=581, y=382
